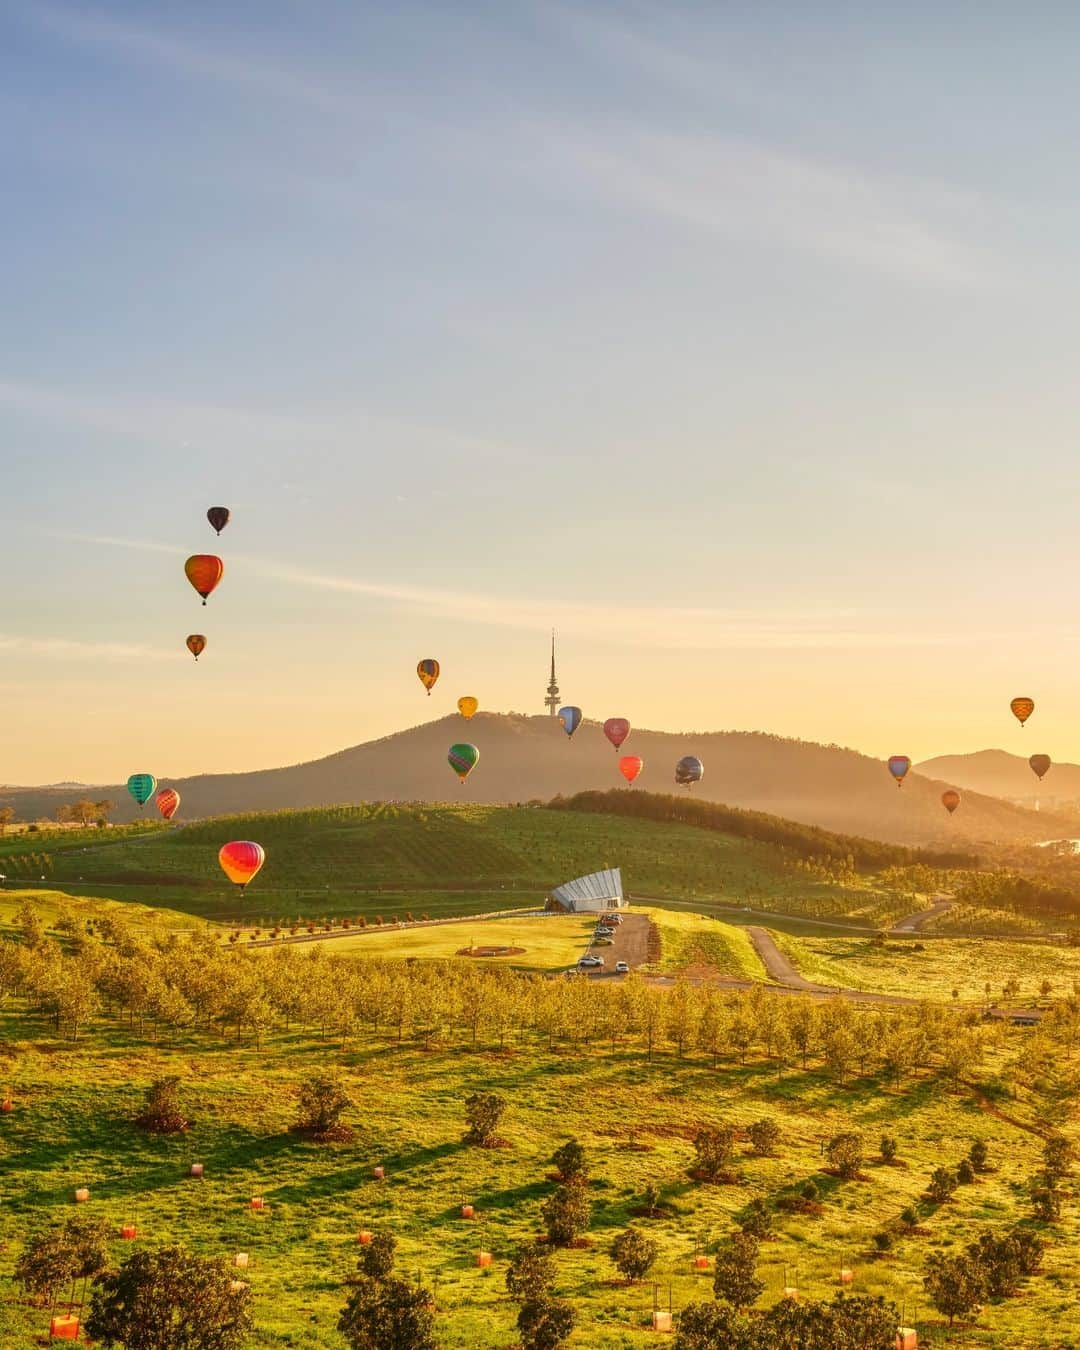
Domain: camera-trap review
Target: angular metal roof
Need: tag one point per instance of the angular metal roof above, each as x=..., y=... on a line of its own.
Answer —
x=598, y=888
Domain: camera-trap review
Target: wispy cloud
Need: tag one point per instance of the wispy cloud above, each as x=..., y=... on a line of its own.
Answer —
x=69, y=649
x=687, y=628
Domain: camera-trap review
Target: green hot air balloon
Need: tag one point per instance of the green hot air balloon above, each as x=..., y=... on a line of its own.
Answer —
x=142, y=787
x=463, y=759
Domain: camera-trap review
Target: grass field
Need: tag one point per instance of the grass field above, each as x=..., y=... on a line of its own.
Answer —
x=699, y=940
x=71, y=1127
x=943, y=964
x=440, y=859
x=51, y=905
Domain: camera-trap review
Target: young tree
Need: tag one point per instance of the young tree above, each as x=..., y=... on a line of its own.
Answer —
x=735, y=1278
x=566, y=1215
x=954, y=1285
x=570, y=1161
x=845, y=1153
x=388, y=1314
x=162, y=1114
x=764, y=1136
x=965, y=1173
x=633, y=1253
x=377, y=1258
x=1046, y=1203
x=545, y=1323
x=714, y=1146
x=756, y=1219
x=483, y=1111
x=169, y=1298
x=7, y=815
x=978, y=1154
x=324, y=1099
x=50, y=1261
x=531, y=1274
x=889, y=1148
x=1057, y=1158
x=942, y=1185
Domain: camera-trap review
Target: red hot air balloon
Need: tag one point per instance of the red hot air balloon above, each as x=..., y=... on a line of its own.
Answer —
x=196, y=644
x=616, y=729
x=630, y=766
x=218, y=516
x=204, y=571
x=168, y=802
x=950, y=800
x=241, y=860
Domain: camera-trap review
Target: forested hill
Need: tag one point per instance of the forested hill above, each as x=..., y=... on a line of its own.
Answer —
x=524, y=758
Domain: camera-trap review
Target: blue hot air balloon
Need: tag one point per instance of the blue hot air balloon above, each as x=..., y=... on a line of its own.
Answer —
x=570, y=717
x=142, y=787
x=689, y=770
x=898, y=767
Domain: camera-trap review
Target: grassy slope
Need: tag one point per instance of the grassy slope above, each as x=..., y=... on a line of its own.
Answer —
x=701, y=940
x=943, y=965
x=51, y=904
x=70, y=1128
x=439, y=859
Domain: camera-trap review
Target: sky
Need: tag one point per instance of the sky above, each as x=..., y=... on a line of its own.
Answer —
x=735, y=341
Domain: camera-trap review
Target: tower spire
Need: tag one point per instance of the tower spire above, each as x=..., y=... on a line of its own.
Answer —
x=552, y=700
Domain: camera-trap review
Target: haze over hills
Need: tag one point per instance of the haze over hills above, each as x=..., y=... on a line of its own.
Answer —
x=1006, y=775
x=525, y=758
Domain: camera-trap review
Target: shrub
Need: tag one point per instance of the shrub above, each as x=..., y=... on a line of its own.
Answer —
x=714, y=1146
x=706, y=1326
x=883, y=1241
x=377, y=1258
x=531, y=1274
x=1046, y=1203
x=651, y=1198
x=735, y=1279
x=909, y=1217
x=566, y=1215
x=633, y=1253
x=978, y=1154
x=954, y=1285
x=483, y=1111
x=323, y=1101
x=965, y=1173
x=764, y=1136
x=888, y=1148
x=1057, y=1157
x=845, y=1153
x=570, y=1160
x=998, y=1258
x=756, y=1219
x=161, y=1113
x=942, y=1185
x=388, y=1315
x=545, y=1323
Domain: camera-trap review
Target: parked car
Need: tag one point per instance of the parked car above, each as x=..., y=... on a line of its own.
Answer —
x=621, y=968
x=588, y=960
x=604, y=933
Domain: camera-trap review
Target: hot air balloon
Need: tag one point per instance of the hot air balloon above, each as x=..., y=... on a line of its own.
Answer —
x=196, y=644
x=898, y=767
x=1039, y=765
x=241, y=860
x=950, y=800
x=463, y=758
x=616, y=729
x=168, y=802
x=142, y=786
x=1022, y=708
x=204, y=571
x=689, y=770
x=218, y=516
x=570, y=717
x=467, y=706
x=428, y=671
x=630, y=766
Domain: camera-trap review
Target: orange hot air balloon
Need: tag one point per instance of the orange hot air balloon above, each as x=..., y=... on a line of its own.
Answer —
x=204, y=571
x=168, y=802
x=196, y=644
x=950, y=800
x=241, y=860
x=630, y=766
x=1022, y=708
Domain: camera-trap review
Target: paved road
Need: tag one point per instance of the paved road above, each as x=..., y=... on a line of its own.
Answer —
x=914, y=922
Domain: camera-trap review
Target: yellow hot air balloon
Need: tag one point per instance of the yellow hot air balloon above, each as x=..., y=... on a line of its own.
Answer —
x=467, y=706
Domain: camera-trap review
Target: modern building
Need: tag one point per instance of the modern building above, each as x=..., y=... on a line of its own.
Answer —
x=588, y=895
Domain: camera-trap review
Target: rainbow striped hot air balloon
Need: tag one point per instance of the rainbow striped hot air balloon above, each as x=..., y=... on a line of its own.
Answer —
x=142, y=787
x=463, y=758
x=241, y=860
x=898, y=767
x=168, y=802
x=427, y=672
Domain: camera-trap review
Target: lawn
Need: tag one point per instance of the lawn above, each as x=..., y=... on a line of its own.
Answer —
x=942, y=965
x=704, y=943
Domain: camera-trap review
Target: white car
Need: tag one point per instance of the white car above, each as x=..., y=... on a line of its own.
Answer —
x=621, y=968
x=590, y=960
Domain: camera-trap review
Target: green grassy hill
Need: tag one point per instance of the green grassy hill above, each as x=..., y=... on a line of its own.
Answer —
x=440, y=859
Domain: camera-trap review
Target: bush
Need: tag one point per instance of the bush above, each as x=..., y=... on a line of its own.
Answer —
x=978, y=1154
x=566, y=1215
x=483, y=1111
x=954, y=1285
x=161, y=1113
x=570, y=1161
x=633, y=1253
x=998, y=1258
x=883, y=1241
x=764, y=1136
x=388, y=1315
x=707, y=1326
x=323, y=1101
x=714, y=1146
x=651, y=1198
x=756, y=1219
x=845, y=1153
x=735, y=1279
x=942, y=1185
x=1057, y=1157
x=1046, y=1204
x=888, y=1148
x=377, y=1258
x=531, y=1274
x=965, y=1173
x=909, y=1217
x=545, y=1323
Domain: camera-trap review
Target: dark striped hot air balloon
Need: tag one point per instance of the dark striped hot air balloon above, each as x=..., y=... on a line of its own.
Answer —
x=142, y=786
x=204, y=571
x=1022, y=708
x=428, y=672
x=463, y=758
x=950, y=800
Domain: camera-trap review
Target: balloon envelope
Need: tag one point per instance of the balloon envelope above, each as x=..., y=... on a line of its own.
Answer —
x=1039, y=765
x=616, y=729
x=168, y=802
x=218, y=516
x=950, y=800
x=463, y=758
x=141, y=786
x=630, y=766
x=428, y=671
x=241, y=860
x=898, y=767
x=196, y=644
x=204, y=571
x=467, y=706
x=689, y=770
x=1022, y=708
x=570, y=717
